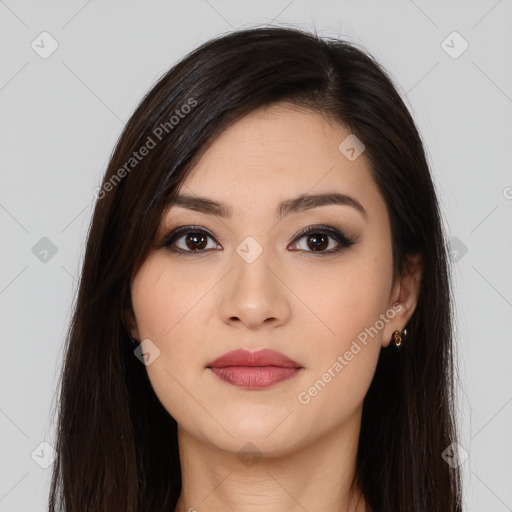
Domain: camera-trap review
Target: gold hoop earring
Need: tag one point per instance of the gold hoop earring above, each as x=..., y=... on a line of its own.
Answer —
x=397, y=337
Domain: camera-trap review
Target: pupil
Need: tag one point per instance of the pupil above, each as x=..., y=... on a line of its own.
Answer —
x=319, y=241
x=195, y=244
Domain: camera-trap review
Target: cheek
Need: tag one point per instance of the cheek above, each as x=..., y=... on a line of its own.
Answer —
x=346, y=353
x=349, y=299
x=167, y=307
x=345, y=299
x=162, y=298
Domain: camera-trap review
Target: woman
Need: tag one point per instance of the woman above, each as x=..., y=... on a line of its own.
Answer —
x=264, y=313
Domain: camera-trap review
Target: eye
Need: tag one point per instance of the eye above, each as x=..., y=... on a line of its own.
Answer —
x=317, y=238
x=187, y=239
x=194, y=240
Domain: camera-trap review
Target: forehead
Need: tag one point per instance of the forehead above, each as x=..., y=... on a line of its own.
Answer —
x=277, y=152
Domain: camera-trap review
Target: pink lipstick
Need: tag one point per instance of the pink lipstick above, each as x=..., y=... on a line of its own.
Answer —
x=254, y=370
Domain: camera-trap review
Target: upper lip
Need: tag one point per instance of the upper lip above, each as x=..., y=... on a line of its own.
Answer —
x=243, y=357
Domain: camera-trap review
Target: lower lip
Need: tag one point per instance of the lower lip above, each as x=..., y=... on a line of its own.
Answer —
x=254, y=377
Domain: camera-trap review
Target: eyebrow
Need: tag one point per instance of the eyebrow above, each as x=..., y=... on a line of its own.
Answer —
x=301, y=203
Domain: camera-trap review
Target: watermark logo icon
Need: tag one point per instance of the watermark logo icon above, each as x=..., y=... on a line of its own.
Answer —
x=44, y=250
x=44, y=455
x=454, y=45
x=249, y=455
x=249, y=249
x=44, y=45
x=351, y=147
x=454, y=455
x=457, y=249
x=147, y=352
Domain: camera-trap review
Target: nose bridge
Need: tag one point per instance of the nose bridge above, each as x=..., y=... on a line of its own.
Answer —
x=252, y=263
x=254, y=294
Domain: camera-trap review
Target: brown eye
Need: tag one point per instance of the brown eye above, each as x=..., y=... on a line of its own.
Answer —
x=188, y=239
x=318, y=242
x=195, y=241
x=319, y=238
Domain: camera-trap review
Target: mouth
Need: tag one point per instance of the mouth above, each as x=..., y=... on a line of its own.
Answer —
x=254, y=370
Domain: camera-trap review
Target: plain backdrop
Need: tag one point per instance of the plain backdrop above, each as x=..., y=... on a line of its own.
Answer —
x=72, y=73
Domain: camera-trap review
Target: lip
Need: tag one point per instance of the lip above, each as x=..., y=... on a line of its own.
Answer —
x=254, y=370
x=263, y=357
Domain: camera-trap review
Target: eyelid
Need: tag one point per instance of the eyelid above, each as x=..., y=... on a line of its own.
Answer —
x=323, y=228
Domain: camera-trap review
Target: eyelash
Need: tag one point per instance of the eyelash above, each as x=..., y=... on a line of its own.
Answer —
x=343, y=241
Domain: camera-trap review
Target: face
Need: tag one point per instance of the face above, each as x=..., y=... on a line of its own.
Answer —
x=245, y=277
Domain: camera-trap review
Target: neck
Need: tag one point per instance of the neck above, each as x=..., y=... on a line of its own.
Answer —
x=317, y=476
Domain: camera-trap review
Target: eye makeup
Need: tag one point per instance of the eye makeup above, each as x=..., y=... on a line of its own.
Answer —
x=197, y=235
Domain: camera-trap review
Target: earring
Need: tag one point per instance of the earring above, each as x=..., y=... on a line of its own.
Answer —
x=398, y=336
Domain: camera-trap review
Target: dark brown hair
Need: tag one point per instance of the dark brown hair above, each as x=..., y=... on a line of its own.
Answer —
x=116, y=444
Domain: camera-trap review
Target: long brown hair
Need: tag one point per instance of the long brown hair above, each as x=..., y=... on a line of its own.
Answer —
x=117, y=446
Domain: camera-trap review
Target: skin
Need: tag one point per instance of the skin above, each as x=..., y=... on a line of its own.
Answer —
x=309, y=306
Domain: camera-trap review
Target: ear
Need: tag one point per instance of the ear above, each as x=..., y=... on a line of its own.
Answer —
x=404, y=296
x=131, y=324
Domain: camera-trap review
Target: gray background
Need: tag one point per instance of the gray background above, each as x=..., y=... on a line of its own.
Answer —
x=61, y=116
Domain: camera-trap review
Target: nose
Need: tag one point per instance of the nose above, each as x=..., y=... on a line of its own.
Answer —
x=255, y=295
